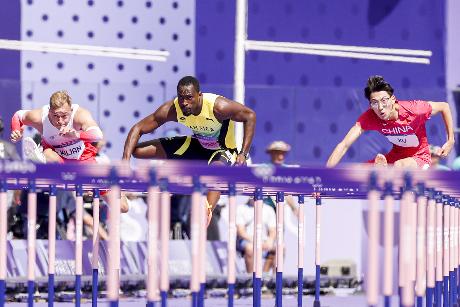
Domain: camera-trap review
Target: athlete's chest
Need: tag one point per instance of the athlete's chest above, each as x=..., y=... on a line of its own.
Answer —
x=404, y=132
x=405, y=125
x=202, y=123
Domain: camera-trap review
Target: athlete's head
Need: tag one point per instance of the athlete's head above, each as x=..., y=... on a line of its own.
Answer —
x=189, y=95
x=380, y=96
x=60, y=109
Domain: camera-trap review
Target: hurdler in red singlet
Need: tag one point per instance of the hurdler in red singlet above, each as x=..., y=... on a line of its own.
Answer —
x=67, y=131
x=402, y=123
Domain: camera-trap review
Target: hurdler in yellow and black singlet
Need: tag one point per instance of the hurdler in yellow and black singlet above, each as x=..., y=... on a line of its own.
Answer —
x=211, y=140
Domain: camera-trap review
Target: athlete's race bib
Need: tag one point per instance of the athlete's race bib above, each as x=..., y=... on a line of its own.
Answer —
x=208, y=142
x=72, y=151
x=410, y=140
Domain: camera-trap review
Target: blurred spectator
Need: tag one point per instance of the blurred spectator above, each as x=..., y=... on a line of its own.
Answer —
x=278, y=151
x=245, y=232
x=456, y=164
x=8, y=152
x=133, y=224
x=180, y=216
x=101, y=156
x=7, y=149
x=436, y=164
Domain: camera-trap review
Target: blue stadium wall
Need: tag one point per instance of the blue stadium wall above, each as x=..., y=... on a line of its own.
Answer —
x=312, y=101
x=308, y=101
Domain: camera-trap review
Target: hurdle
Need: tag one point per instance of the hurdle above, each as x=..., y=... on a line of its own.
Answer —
x=425, y=215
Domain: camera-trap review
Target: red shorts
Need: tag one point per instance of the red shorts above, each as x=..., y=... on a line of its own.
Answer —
x=423, y=161
x=87, y=160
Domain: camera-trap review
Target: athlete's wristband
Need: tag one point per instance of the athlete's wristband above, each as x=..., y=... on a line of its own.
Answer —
x=17, y=120
x=208, y=206
x=245, y=155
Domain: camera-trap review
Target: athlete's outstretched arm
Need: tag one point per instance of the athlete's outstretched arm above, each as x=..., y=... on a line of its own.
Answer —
x=84, y=127
x=224, y=109
x=444, y=108
x=352, y=135
x=23, y=118
x=165, y=113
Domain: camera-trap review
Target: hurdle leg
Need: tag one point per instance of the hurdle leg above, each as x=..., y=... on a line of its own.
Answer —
x=451, y=251
x=455, y=256
x=3, y=241
x=165, y=209
x=413, y=244
x=279, y=247
x=153, y=202
x=316, y=302
x=388, y=243
x=300, y=250
x=195, y=233
x=406, y=244
x=231, y=246
x=430, y=231
x=95, y=256
x=457, y=204
x=202, y=250
x=420, y=286
x=446, y=268
x=439, y=250
x=78, y=244
x=31, y=237
x=113, y=282
x=51, y=244
x=373, y=246
x=257, y=272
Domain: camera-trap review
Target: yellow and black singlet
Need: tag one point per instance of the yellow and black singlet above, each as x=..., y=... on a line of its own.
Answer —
x=209, y=132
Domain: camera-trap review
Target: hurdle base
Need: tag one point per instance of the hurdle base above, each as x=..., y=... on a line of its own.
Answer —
x=30, y=292
x=77, y=290
x=445, y=293
x=115, y=304
x=95, y=288
x=316, y=304
x=50, y=289
x=429, y=296
x=387, y=301
x=194, y=299
x=164, y=298
x=279, y=289
x=438, y=293
x=201, y=294
x=299, y=286
x=149, y=304
x=2, y=292
x=231, y=294
x=257, y=290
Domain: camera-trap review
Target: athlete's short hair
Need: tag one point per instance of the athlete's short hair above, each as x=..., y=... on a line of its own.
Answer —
x=187, y=80
x=377, y=84
x=60, y=98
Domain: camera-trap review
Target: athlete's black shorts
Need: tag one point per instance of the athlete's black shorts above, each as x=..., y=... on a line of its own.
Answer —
x=189, y=148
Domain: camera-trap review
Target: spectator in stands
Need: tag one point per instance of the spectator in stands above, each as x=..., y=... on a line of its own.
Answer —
x=245, y=231
x=101, y=156
x=436, y=158
x=133, y=224
x=456, y=164
x=7, y=149
x=278, y=151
